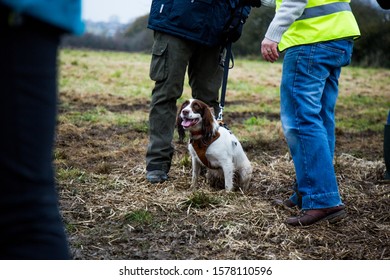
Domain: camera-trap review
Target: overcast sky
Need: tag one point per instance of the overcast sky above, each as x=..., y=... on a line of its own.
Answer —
x=125, y=10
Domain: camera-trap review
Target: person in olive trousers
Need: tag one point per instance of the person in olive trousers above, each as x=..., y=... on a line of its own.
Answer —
x=187, y=38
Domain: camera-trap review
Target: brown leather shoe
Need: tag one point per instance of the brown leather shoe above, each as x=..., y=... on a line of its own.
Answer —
x=312, y=216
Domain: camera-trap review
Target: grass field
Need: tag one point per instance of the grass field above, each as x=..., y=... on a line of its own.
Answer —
x=112, y=212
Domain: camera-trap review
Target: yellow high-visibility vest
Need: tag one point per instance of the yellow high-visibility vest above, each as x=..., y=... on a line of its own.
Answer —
x=322, y=20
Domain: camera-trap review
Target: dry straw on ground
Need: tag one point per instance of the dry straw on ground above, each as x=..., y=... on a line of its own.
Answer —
x=101, y=209
x=112, y=212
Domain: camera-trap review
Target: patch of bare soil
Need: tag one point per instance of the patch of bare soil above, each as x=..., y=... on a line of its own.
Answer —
x=112, y=212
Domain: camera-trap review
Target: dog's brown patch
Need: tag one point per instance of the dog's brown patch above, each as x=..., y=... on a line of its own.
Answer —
x=200, y=147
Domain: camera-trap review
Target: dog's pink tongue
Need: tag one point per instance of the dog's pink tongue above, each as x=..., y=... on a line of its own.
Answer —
x=186, y=123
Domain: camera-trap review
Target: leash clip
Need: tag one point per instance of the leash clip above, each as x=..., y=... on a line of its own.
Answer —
x=220, y=114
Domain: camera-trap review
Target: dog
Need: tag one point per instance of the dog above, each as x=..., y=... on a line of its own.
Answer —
x=214, y=146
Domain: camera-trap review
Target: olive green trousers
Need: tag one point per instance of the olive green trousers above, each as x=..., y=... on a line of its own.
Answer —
x=172, y=58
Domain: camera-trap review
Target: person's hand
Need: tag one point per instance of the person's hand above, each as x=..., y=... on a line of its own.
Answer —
x=269, y=50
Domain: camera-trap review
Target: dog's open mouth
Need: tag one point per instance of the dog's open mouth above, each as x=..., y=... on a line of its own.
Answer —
x=186, y=123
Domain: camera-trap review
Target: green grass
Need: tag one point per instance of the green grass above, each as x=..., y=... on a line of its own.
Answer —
x=104, y=72
x=185, y=161
x=139, y=217
x=256, y=121
x=71, y=175
x=100, y=115
x=358, y=113
x=253, y=88
x=199, y=199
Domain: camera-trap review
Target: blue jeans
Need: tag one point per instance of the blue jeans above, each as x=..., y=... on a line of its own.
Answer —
x=309, y=90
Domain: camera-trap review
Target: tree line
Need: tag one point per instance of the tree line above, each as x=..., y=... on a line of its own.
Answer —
x=371, y=50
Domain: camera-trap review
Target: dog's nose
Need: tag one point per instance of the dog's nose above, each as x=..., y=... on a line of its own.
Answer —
x=185, y=112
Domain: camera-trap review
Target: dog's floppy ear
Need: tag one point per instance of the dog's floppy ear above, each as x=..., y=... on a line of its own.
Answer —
x=179, y=127
x=208, y=121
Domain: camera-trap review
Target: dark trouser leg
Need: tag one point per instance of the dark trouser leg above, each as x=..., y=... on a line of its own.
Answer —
x=30, y=222
x=386, y=150
x=205, y=76
x=168, y=67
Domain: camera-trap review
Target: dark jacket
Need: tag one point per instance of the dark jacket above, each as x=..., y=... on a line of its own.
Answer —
x=385, y=4
x=202, y=21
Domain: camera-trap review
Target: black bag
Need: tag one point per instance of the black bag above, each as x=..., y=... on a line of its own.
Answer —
x=385, y=4
x=233, y=29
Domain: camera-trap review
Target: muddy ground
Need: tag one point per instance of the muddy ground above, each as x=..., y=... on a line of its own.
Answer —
x=112, y=212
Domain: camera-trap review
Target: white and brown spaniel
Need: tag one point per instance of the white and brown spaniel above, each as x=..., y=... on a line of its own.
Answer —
x=213, y=146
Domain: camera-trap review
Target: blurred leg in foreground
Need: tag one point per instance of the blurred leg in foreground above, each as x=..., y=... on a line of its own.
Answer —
x=30, y=223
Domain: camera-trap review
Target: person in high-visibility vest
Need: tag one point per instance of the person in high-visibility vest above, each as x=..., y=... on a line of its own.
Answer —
x=317, y=37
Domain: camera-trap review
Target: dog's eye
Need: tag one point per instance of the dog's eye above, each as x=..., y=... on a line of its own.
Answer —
x=196, y=107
